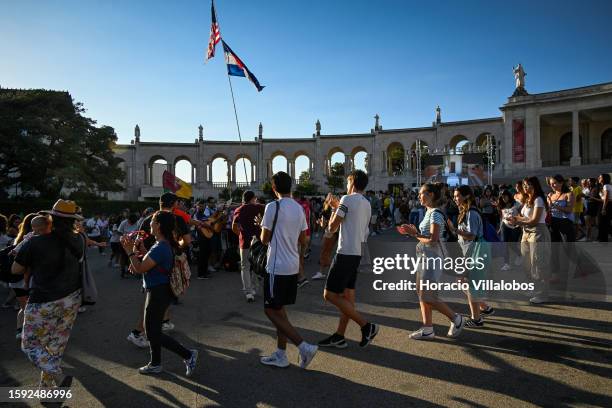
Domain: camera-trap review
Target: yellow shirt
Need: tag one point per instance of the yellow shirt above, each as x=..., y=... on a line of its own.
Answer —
x=578, y=204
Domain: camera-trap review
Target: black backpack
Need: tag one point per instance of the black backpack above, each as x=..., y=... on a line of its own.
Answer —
x=258, y=254
x=6, y=262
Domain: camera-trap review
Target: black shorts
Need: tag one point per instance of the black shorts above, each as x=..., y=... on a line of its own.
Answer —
x=343, y=273
x=284, y=290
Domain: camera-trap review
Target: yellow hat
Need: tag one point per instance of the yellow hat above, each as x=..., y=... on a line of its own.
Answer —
x=64, y=208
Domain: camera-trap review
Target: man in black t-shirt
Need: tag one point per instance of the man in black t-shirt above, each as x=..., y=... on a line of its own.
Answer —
x=167, y=202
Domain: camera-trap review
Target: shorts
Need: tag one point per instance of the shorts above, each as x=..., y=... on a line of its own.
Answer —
x=20, y=292
x=283, y=293
x=343, y=273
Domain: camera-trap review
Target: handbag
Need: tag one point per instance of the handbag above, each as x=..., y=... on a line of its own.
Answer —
x=89, y=291
x=258, y=254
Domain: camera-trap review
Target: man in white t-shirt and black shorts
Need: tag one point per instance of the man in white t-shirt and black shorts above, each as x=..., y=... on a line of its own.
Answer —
x=352, y=216
x=280, y=282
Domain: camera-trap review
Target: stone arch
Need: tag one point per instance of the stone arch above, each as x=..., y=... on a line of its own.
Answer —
x=396, y=159
x=302, y=162
x=241, y=162
x=155, y=169
x=279, y=161
x=606, y=145
x=413, y=153
x=457, y=142
x=565, y=147
x=331, y=161
x=359, y=158
x=184, y=169
x=219, y=168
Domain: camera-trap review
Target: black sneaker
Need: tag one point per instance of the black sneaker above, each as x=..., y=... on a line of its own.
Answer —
x=335, y=340
x=302, y=282
x=368, y=332
x=469, y=322
x=488, y=311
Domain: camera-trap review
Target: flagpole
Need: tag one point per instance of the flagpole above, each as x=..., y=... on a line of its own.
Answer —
x=237, y=126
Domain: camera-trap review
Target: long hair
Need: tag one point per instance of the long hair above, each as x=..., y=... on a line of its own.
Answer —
x=435, y=191
x=25, y=227
x=507, y=200
x=537, y=191
x=167, y=226
x=470, y=199
x=564, y=186
x=63, y=229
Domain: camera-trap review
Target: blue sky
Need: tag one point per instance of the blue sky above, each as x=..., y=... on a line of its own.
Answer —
x=338, y=61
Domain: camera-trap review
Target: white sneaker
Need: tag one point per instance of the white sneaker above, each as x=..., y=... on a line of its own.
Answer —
x=211, y=269
x=275, y=359
x=318, y=276
x=536, y=300
x=250, y=297
x=421, y=334
x=307, y=355
x=139, y=341
x=456, y=326
x=583, y=239
x=150, y=369
x=82, y=309
x=167, y=326
x=506, y=267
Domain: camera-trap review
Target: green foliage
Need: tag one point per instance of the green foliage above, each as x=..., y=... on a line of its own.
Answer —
x=90, y=207
x=49, y=146
x=237, y=195
x=336, y=178
x=307, y=187
x=267, y=189
x=225, y=194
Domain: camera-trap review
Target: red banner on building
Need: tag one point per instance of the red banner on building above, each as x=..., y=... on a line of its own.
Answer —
x=518, y=141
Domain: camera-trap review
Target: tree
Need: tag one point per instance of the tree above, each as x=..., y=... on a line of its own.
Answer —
x=50, y=147
x=267, y=189
x=336, y=178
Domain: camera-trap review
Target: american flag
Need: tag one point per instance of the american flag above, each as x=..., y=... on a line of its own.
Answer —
x=215, y=34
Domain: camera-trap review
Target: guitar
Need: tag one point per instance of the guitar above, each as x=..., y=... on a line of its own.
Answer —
x=215, y=223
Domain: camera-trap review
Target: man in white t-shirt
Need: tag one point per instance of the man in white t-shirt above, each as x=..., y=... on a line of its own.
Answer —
x=351, y=216
x=94, y=230
x=282, y=231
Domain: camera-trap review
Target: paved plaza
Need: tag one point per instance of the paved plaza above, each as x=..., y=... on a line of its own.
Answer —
x=555, y=355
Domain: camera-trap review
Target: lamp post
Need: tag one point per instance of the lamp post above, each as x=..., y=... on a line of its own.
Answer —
x=490, y=159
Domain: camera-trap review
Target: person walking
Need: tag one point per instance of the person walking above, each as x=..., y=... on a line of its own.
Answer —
x=535, y=242
x=55, y=296
x=605, y=198
x=283, y=228
x=511, y=234
x=351, y=217
x=428, y=235
x=155, y=269
x=244, y=226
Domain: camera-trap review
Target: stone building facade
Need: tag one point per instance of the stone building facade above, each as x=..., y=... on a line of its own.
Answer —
x=567, y=131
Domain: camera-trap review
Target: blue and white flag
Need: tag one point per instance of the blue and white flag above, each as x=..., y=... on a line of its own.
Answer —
x=236, y=67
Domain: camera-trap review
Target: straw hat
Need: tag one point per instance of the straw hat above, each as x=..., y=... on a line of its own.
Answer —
x=64, y=208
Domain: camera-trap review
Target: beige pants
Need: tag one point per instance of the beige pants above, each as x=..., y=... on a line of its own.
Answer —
x=535, y=248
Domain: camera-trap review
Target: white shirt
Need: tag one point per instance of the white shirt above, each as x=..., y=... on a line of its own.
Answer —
x=95, y=225
x=283, y=255
x=356, y=211
x=608, y=188
x=526, y=211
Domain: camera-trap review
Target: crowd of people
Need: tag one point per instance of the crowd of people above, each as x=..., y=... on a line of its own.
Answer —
x=48, y=249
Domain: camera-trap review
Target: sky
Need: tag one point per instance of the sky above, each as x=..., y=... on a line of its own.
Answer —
x=342, y=62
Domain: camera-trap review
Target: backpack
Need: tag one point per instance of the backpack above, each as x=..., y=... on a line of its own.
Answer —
x=452, y=245
x=258, y=254
x=6, y=262
x=180, y=274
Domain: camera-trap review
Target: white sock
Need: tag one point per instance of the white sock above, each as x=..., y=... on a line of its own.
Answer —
x=427, y=329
